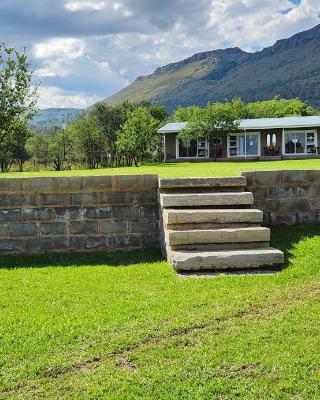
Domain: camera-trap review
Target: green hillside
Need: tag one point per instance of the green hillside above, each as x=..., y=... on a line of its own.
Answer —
x=55, y=117
x=290, y=68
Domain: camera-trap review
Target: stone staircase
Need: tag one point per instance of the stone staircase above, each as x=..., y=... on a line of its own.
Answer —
x=209, y=225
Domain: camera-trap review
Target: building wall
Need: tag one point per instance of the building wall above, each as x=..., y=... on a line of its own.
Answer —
x=286, y=197
x=170, y=146
x=263, y=139
x=78, y=213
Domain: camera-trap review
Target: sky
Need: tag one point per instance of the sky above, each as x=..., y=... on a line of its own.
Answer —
x=83, y=51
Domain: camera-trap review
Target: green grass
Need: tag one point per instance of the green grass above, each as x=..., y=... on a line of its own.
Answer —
x=171, y=170
x=125, y=326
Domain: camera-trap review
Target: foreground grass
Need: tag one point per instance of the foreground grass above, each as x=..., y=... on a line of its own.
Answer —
x=124, y=326
x=171, y=170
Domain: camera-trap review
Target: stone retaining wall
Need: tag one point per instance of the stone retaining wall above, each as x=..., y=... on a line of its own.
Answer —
x=78, y=213
x=286, y=197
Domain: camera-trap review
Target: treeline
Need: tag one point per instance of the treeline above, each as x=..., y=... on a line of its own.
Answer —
x=108, y=136
x=275, y=108
x=125, y=134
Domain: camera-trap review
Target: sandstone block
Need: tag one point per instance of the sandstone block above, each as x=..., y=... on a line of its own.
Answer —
x=22, y=199
x=68, y=242
x=40, y=245
x=111, y=198
x=63, y=183
x=150, y=240
x=231, y=260
x=3, y=229
x=42, y=184
x=128, y=182
x=267, y=178
x=97, y=212
x=296, y=205
x=83, y=198
x=314, y=204
x=141, y=226
x=282, y=191
x=97, y=182
x=83, y=228
x=225, y=235
x=283, y=218
x=298, y=176
x=128, y=241
x=67, y=213
x=113, y=227
x=141, y=197
x=10, y=215
x=308, y=217
x=56, y=199
x=99, y=243
x=216, y=216
x=23, y=230
x=172, y=183
x=126, y=212
x=150, y=181
x=205, y=199
x=10, y=184
x=11, y=246
x=37, y=214
x=54, y=228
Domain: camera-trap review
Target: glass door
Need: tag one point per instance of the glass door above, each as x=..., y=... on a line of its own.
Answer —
x=242, y=145
x=299, y=142
x=202, y=150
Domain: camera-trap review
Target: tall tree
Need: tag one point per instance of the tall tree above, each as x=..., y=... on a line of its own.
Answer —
x=89, y=142
x=212, y=123
x=17, y=100
x=138, y=137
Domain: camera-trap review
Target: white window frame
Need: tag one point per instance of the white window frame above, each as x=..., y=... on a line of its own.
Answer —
x=196, y=157
x=305, y=131
x=244, y=134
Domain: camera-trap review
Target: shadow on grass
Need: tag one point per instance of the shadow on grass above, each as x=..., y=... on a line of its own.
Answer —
x=286, y=237
x=283, y=238
x=119, y=258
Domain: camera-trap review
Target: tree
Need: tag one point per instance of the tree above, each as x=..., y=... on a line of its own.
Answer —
x=88, y=140
x=60, y=149
x=278, y=107
x=38, y=149
x=212, y=123
x=187, y=114
x=17, y=103
x=109, y=120
x=138, y=138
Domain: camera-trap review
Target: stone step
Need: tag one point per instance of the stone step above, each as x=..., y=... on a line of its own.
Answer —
x=219, y=246
x=227, y=260
x=224, y=235
x=213, y=216
x=206, y=199
x=174, y=183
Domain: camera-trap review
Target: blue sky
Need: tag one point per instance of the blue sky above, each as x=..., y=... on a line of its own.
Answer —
x=86, y=50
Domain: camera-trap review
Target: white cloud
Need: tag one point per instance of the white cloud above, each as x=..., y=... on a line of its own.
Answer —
x=95, y=47
x=54, y=97
x=91, y=5
x=62, y=48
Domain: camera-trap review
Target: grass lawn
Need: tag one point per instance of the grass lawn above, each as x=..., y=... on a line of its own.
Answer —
x=125, y=326
x=171, y=170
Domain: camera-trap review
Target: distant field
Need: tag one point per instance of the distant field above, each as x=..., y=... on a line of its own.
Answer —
x=184, y=169
x=124, y=326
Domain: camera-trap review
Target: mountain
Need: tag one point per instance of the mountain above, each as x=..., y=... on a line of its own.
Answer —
x=53, y=116
x=290, y=68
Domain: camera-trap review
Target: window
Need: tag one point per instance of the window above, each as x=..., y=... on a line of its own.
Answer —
x=299, y=142
x=192, y=149
x=242, y=145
